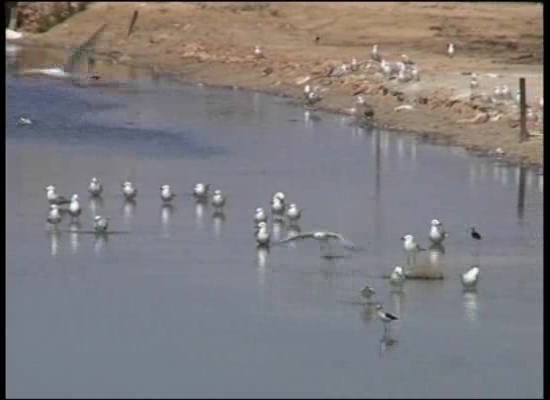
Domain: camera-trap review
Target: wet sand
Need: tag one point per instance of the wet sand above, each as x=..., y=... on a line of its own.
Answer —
x=213, y=43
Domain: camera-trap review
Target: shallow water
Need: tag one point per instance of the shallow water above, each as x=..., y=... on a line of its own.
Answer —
x=185, y=306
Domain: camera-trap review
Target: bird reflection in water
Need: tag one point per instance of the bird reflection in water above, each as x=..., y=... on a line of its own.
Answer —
x=471, y=304
x=218, y=218
x=541, y=183
x=100, y=242
x=95, y=204
x=400, y=148
x=397, y=296
x=128, y=211
x=435, y=253
x=55, y=235
x=200, y=207
x=370, y=312
x=74, y=236
x=166, y=212
x=387, y=343
x=262, y=253
x=277, y=228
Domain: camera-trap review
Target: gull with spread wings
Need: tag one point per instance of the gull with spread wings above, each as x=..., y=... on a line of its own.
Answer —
x=324, y=238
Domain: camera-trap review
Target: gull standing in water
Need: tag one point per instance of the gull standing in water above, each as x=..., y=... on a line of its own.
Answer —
x=277, y=205
x=470, y=278
x=200, y=191
x=397, y=277
x=411, y=247
x=367, y=292
x=53, y=197
x=74, y=207
x=259, y=216
x=293, y=213
x=166, y=193
x=54, y=216
x=101, y=224
x=218, y=200
x=129, y=190
x=262, y=235
x=437, y=233
x=323, y=237
x=95, y=188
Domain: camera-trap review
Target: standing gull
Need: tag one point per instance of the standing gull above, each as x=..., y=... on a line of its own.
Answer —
x=101, y=224
x=200, y=191
x=262, y=235
x=54, y=216
x=451, y=50
x=218, y=200
x=129, y=190
x=293, y=213
x=53, y=197
x=437, y=233
x=411, y=247
x=74, y=207
x=95, y=188
x=397, y=277
x=166, y=193
x=375, y=55
x=367, y=292
x=470, y=278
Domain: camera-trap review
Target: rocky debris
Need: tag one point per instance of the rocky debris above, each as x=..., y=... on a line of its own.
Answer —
x=35, y=16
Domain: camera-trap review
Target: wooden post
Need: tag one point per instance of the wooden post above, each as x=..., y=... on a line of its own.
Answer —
x=523, y=134
x=521, y=191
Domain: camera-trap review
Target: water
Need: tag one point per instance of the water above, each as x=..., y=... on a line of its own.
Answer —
x=185, y=306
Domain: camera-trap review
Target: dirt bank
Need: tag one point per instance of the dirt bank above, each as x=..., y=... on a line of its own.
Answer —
x=213, y=43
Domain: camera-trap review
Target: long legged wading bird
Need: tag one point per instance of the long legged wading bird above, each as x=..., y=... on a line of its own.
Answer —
x=324, y=238
x=385, y=317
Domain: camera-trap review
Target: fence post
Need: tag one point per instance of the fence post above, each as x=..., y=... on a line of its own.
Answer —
x=523, y=134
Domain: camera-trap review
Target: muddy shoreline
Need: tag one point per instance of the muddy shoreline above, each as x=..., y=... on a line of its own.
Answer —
x=207, y=59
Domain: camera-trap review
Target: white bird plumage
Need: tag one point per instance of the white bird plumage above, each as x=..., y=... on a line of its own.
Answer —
x=129, y=190
x=262, y=234
x=54, y=216
x=101, y=224
x=95, y=188
x=74, y=206
x=218, y=200
x=166, y=193
x=437, y=232
x=471, y=277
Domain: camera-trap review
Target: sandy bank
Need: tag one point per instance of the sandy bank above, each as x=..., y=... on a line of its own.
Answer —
x=213, y=43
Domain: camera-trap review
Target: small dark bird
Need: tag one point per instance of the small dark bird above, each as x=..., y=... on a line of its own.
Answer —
x=475, y=234
x=317, y=38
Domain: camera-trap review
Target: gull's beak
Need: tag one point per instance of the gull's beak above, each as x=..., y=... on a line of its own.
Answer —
x=403, y=238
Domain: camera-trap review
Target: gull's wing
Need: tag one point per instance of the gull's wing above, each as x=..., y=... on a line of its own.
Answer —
x=87, y=46
x=300, y=236
x=345, y=242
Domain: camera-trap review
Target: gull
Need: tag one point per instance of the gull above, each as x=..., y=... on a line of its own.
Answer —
x=506, y=93
x=354, y=66
x=475, y=234
x=474, y=82
x=397, y=277
x=277, y=205
x=53, y=197
x=258, y=52
x=129, y=190
x=375, y=55
x=260, y=216
x=339, y=71
x=24, y=121
x=385, y=317
x=101, y=224
x=74, y=206
x=95, y=188
x=262, y=235
x=451, y=50
x=470, y=278
x=437, y=233
x=280, y=195
x=313, y=97
x=166, y=194
x=67, y=71
x=367, y=292
x=54, y=216
x=293, y=213
x=218, y=200
x=411, y=247
x=200, y=191
x=415, y=74
x=323, y=238
x=406, y=60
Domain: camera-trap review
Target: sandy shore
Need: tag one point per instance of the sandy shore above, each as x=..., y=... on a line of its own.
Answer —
x=213, y=43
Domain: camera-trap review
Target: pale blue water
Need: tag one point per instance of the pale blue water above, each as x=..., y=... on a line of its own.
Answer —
x=184, y=305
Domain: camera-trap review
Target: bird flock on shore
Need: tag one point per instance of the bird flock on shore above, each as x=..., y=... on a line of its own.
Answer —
x=280, y=211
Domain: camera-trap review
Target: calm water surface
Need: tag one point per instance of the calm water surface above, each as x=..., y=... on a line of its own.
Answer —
x=185, y=306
